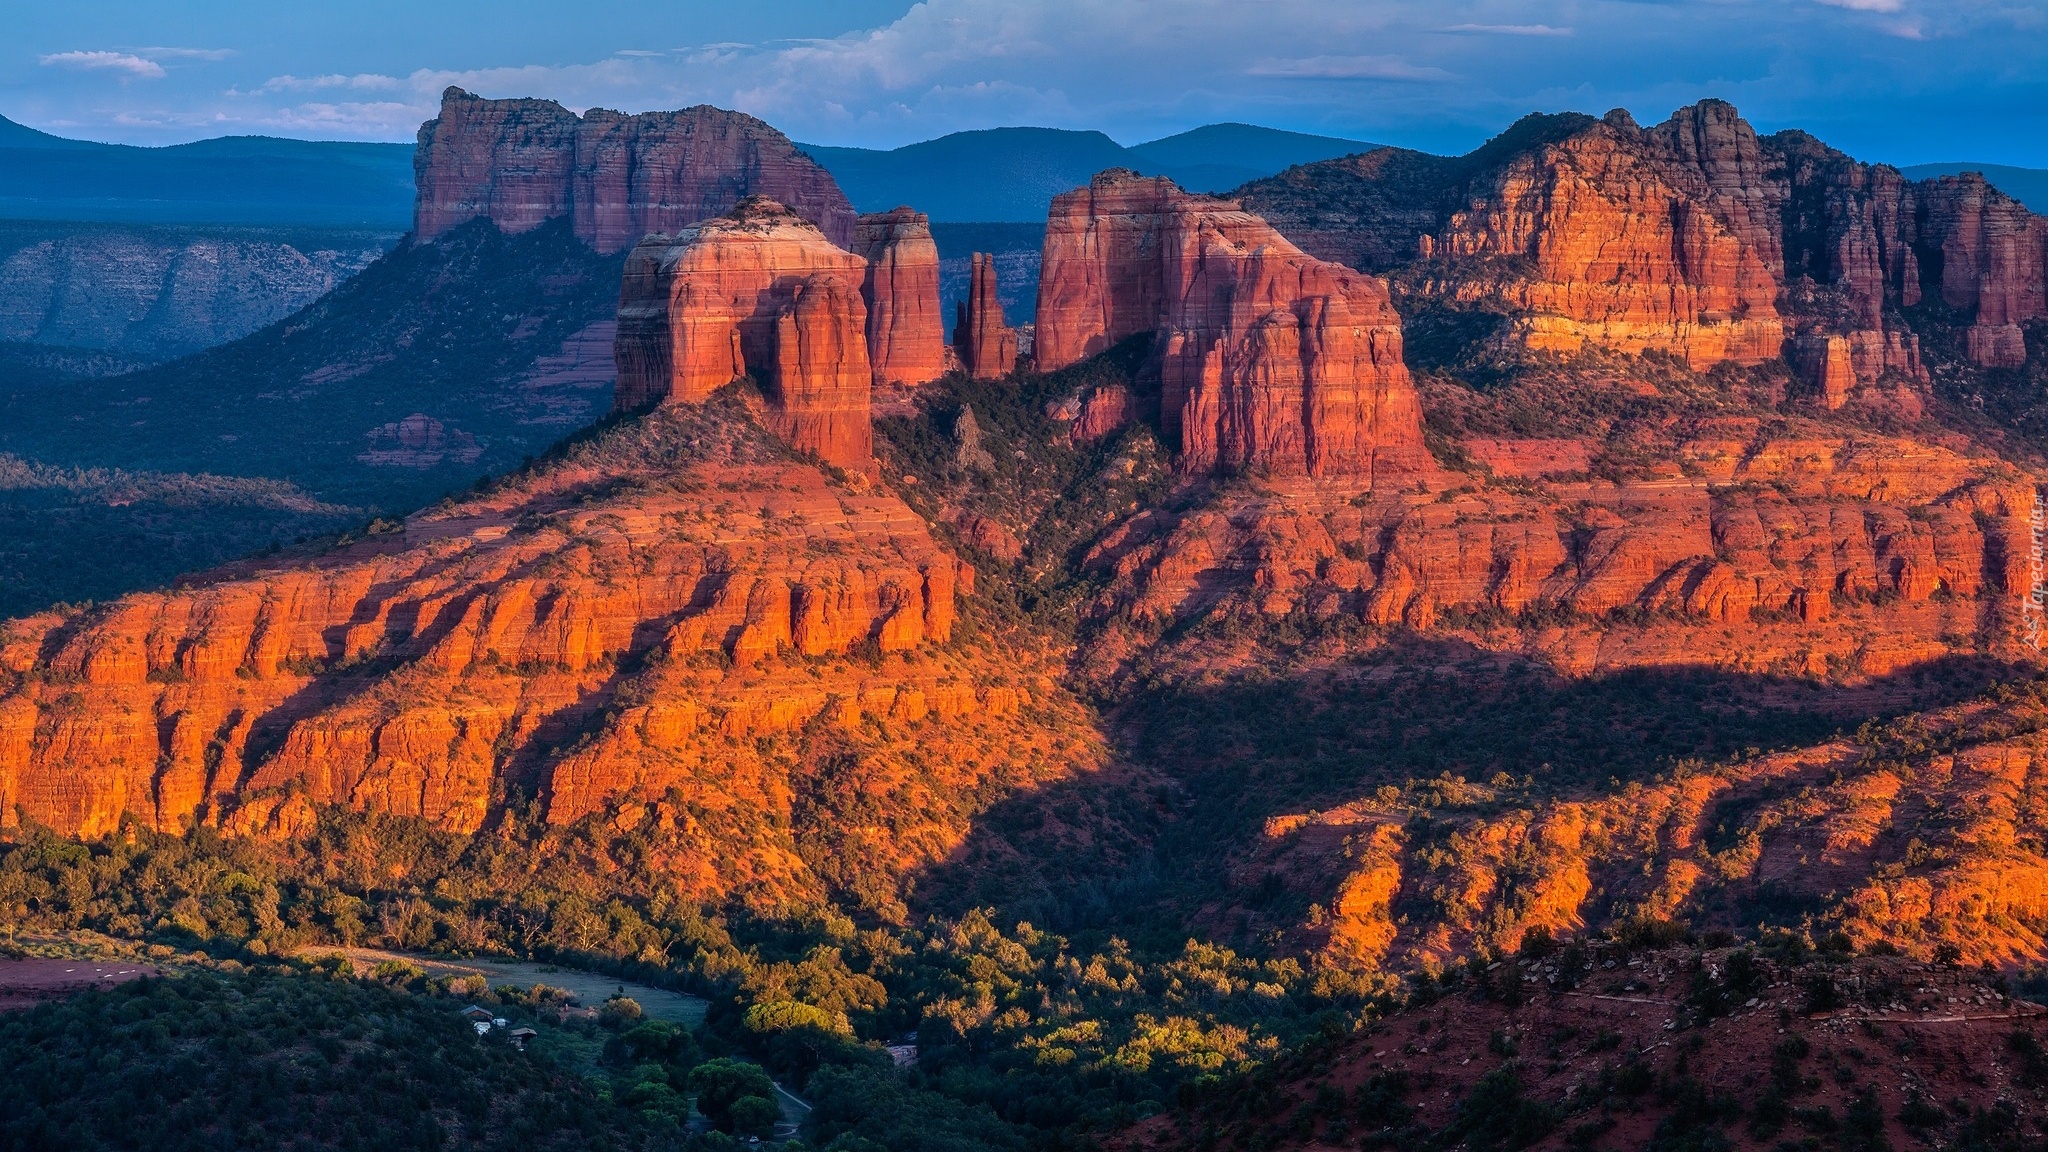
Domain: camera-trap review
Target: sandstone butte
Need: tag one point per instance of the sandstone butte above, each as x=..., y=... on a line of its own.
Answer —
x=760, y=292
x=1694, y=237
x=636, y=630
x=987, y=347
x=1269, y=358
x=906, y=334
x=522, y=163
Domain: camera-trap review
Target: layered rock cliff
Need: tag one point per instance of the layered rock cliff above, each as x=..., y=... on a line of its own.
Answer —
x=1866, y=552
x=1694, y=237
x=520, y=163
x=758, y=293
x=626, y=630
x=987, y=347
x=160, y=293
x=1268, y=358
x=1588, y=242
x=906, y=333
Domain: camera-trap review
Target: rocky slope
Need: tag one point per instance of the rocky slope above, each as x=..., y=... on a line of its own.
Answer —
x=1618, y=1046
x=1729, y=245
x=160, y=293
x=758, y=293
x=636, y=629
x=1269, y=359
x=520, y=163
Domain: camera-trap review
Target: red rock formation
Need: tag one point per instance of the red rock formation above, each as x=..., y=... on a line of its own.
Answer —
x=1993, y=257
x=1270, y=358
x=1589, y=242
x=666, y=630
x=822, y=379
x=1694, y=237
x=906, y=334
x=1826, y=363
x=987, y=347
x=760, y=292
x=1819, y=544
x=520, y=163
x=507, y=161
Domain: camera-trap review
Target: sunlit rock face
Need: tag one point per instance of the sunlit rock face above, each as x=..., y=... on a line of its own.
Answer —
x=758, y=293
x=1270, y=358
x=521, y=163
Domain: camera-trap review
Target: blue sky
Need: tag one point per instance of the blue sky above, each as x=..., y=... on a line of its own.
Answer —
x=1904, y=81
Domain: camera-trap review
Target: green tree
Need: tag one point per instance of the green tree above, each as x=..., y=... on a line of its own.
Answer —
x=721, y=1084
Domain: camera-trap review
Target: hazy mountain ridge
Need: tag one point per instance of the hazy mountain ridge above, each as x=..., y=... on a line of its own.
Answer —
x=161, y=292
x=1012, y=174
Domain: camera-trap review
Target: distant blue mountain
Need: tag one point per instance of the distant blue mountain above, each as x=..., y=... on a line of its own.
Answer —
x=1239, y=152
x=232, y=180
x=1012, y=174
x=2029, y=186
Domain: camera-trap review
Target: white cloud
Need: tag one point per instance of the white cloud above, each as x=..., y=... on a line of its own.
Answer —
x=111, y=61
x=362, y=81
x=1509, y=29
x=185, y=53
x=1865, y=5
x=1347, y=68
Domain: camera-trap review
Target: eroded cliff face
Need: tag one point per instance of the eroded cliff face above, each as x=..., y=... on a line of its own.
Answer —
x=987, y=347
x=1768, y=548
x=628, y=630
x=1695, y=238
x=1919, y=832
x=1269, y=358
x=1993, y=262
x=906, y=333
x=161, y=293
x=1588, y=242
x=520, y=163
x=760, y=292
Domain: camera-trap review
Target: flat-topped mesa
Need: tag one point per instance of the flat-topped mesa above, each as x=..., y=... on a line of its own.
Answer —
x=521, y=163
x=987, y=347
x=1269, y=357
x=760, y=292
x=906, y=333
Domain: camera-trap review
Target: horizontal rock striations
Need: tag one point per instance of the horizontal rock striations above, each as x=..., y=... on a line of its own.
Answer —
x=521, y=163
x=1764, y=545
x=758, y=293
x=161, y=293
x=987, y=347
x=906, y=333
x=1269, y=358
x=629, y=630
x=1695, y=238
x=1591, y=241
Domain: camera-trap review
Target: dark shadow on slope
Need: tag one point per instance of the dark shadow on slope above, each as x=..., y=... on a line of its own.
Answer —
x=1147, y=851
x=446, y=329
x=455, y=331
